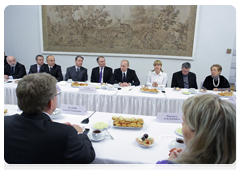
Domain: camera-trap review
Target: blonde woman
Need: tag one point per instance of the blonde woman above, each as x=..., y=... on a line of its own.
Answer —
x=156, y=77
x=209, y=132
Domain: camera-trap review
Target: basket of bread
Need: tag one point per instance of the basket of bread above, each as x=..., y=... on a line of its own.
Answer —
x=126, y=122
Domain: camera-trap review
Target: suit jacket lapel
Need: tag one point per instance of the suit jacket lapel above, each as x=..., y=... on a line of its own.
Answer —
x=181, y=80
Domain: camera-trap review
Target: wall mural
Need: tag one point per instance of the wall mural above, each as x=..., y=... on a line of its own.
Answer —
x=123, y=29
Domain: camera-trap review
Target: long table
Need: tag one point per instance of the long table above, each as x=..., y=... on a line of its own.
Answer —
x=128, y=100
x=123, y=149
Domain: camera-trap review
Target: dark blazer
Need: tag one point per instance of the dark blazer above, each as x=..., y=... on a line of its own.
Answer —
x=55, y=72
x=177, y=80
x=131, y=77
x=5, y=60
x=36, y=139
x=107, y=75
x=208, y=83
x=72, y=74
x=33, y=68
x=20, y=70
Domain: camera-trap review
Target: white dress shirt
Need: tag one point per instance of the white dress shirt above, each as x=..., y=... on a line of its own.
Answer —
x=160, y=78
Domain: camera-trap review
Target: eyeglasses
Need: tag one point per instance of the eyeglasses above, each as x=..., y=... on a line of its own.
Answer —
x=58, y=93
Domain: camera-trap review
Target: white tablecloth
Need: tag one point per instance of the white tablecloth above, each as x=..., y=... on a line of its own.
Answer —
x=124, y=149
x=115, y=101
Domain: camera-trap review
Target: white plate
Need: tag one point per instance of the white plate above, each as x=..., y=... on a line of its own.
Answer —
x=177, y=132
x=97, y=140
x=177, y=90
x=56, y=114
x=144, y=145
x=100, y=129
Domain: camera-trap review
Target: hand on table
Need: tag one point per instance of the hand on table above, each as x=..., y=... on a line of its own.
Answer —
x=215, y=89
x=154, y=84
x=6, y=76
x=174, y=152
x=124, y=84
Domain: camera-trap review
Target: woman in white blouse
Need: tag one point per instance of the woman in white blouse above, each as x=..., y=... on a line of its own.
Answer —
x=156, y=77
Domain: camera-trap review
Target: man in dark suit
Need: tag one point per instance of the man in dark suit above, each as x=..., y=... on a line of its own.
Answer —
x=184, y=78
x=5, y=59
x=101, y=74
x=14, y=69
x=33, y=138
x=52, y=68
x=77, y=72
x=124, y=76
x=35, y=68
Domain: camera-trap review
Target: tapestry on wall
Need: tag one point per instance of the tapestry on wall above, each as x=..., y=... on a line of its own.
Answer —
x=123, y=29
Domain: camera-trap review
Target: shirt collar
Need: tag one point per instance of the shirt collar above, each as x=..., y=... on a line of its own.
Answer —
x=158, y=74
x=47, y=114
x=77, y=67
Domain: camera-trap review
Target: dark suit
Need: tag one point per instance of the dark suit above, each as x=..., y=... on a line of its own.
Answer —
x=131, y=77
x=177, y=80
x=33, y=68
x=5, y=60
x=36, y=139
x=72, y=74
x=20, y=70
x=56, y=71
x=107, y=74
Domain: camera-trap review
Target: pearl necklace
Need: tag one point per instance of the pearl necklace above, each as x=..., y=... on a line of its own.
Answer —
x=218, y=82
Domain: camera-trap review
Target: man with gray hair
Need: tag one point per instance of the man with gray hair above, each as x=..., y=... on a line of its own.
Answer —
x=184, y=78
x=32, y=137
x=14, y=69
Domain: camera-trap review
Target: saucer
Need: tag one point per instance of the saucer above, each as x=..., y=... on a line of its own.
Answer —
x=97, y=140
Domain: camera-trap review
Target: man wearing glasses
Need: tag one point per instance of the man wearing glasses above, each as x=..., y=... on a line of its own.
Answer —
x=184, y=78
x=33, y=138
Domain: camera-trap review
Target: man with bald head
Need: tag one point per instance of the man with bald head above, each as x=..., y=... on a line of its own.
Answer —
x=52, y=68
x=125, y=76
x=14, y=69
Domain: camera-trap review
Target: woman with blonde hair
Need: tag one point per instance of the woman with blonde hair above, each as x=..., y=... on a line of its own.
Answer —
x=209, y=132
x=215, y=81
x=156, y=77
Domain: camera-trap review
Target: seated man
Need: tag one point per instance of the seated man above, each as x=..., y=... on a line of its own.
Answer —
x=33, y=138
x=52, y=68
x=101, y=74
x=14, y=69
x=124, y=76
x=77, y=72
x=35, y=68
x=184, y=78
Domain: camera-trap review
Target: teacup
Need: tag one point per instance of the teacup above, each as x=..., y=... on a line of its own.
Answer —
x=97, y=134
x=179, y=143
x=192, y=90
x=69, y=81
x=161, y=87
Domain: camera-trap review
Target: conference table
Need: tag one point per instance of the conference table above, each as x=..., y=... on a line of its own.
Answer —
x=127, y=100
x=123, y=149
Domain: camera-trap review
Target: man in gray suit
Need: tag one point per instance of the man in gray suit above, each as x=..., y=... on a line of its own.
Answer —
x=77, y=72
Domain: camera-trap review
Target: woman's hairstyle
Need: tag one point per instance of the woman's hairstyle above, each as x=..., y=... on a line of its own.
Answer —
x=34, y=91
x=213, y=122
x=157, y=62
x=218, y=67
